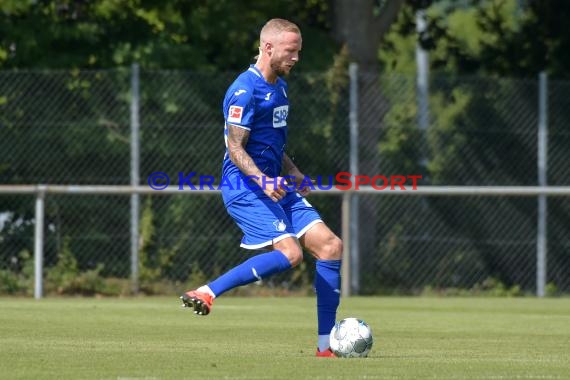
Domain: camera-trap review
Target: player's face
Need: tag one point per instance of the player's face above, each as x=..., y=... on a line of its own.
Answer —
x=285, y=52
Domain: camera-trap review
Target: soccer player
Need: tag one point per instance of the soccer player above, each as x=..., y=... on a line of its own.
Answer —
x=271, y=210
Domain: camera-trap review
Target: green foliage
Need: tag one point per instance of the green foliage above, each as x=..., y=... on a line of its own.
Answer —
x=490, y=287
x=493, y=287
x=154, y=262
x=480, y=133
x=84, y=117
x=399, y=145
x=493, y=37
x=65, y=277
x=146, y=235
x=445, y=138
x=196, y=277
x=65, y=271
x=19, y=279
x=166, y=34
x=396, y=53
x=9, y=283
x=551, y=290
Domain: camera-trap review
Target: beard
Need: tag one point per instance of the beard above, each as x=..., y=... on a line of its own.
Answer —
x=280, y=69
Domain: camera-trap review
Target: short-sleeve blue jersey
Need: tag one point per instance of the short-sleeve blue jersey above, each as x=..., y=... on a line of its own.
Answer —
x=261, y=108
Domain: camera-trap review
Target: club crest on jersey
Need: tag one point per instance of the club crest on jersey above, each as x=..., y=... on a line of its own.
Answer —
x=234, y=114
x=280, y=225
x=280, y=116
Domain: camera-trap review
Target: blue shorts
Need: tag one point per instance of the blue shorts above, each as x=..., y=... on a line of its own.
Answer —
x=265, y=222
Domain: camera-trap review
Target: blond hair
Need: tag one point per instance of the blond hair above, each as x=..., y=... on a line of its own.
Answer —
x=276, y=26
x=273, y=28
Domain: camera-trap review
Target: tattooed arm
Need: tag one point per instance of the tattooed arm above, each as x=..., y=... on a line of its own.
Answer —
x=291, y=169
x=237, y=140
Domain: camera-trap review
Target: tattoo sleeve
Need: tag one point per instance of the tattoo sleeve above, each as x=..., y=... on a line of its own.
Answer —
x=237, y=140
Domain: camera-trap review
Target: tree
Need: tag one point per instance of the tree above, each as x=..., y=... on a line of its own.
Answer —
x=482, y=130
x=174, y=34
x=360, y=27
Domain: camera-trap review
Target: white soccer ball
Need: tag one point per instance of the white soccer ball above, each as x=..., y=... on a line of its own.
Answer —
x=351, y=338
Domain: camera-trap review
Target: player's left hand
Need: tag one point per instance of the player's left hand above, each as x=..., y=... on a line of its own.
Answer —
x=304, y=191
x=301, y=184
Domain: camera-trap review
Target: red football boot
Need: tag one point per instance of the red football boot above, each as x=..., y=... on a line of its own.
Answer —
x=325, y=354
x=201, y=302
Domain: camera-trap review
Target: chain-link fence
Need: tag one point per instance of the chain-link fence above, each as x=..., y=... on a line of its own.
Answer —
x=75, y=128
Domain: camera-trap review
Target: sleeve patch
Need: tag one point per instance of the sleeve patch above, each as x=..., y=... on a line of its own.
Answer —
x=234, y=114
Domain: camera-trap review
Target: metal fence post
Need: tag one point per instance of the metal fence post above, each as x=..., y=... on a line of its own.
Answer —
x=541, y=238
x=354, y=245
x=135, y=165
x=346, y=290
x=422, y=75
x=39, y=243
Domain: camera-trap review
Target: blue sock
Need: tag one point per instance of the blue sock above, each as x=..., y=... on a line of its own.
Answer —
x=327, y=286
x=254, y=269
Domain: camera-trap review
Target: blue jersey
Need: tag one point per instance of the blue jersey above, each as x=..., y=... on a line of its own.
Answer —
x=261, y=108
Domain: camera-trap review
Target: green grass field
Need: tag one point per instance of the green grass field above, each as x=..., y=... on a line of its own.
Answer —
x=274, y=338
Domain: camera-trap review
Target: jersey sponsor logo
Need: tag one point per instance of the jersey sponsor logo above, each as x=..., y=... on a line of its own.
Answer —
x=280, y=116
x=239, y=92
x=234, y=114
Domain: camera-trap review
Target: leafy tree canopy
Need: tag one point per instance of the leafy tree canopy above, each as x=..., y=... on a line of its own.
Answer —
x=496, y=37
x=169, y=34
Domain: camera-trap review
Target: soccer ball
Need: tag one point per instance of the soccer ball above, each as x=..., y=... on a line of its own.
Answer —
x=351, y=338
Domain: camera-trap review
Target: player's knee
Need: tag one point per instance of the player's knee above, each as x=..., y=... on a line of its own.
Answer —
x=294, y=254
x=296, y=258
x=336, y=248
x=332, y=250
x=291, y=248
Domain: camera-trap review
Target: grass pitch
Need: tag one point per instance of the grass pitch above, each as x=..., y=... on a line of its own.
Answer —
x=274, y=338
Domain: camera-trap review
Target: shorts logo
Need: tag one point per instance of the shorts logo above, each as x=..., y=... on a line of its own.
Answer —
x=280, y=116
x=280, y=225
x=234, y=114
